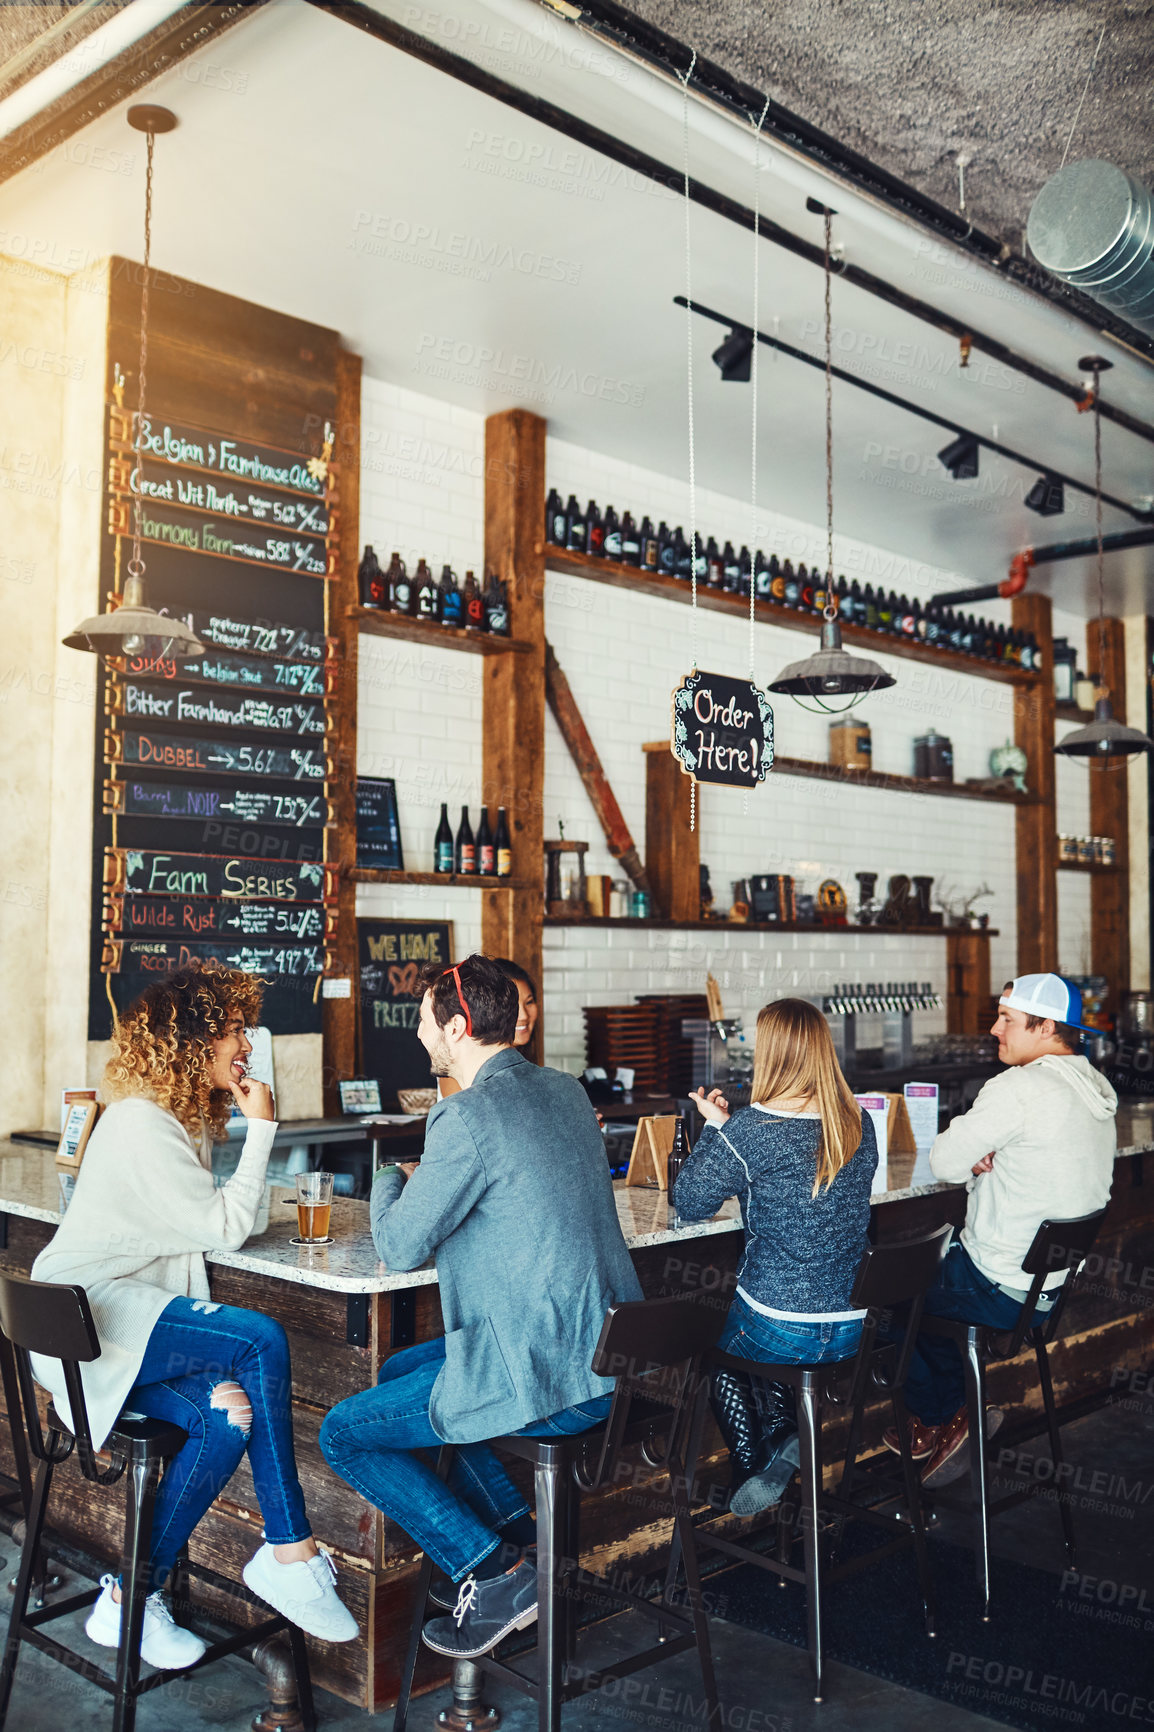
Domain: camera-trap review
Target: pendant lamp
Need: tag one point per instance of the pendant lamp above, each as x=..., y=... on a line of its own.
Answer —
x=1104, y=742
x=132, y=628
x=832, y=672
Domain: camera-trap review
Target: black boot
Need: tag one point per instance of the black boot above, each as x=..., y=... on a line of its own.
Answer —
x=775, y=1456
x=731, y=1399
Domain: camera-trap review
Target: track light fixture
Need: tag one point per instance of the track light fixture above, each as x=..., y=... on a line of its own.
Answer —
x=960, y=457
x=734, y=355
x=1047, y=497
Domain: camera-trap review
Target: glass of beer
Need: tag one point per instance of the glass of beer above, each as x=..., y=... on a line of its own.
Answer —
x=314, y=1206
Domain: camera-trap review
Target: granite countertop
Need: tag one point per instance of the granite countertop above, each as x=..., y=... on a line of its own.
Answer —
x=30, y=1187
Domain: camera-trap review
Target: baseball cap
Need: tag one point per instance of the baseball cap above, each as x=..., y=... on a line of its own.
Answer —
x=1046, y=995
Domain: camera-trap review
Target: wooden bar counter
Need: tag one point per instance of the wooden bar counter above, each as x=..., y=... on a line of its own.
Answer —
x=345, y=1313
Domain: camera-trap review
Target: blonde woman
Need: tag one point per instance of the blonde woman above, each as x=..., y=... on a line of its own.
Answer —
x=144, y=1212
x=801, y=1161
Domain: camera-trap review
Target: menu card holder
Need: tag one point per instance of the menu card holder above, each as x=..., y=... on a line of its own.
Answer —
x=82, y=1115
x=652, y=1145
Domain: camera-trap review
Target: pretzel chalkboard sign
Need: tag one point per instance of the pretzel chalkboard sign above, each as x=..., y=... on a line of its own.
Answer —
x=390, y=955
x=722, y=730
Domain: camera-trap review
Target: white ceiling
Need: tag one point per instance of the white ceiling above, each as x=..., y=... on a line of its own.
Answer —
x=324, y=173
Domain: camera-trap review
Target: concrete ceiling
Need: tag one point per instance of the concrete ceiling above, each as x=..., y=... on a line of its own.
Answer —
x=914, y=86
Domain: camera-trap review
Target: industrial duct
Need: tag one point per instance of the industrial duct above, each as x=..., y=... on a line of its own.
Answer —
x=1093, y=226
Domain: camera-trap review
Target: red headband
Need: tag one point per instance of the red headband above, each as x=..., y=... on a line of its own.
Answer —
x=456, y=974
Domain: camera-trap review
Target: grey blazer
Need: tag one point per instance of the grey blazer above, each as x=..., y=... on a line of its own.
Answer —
x=514, y=1199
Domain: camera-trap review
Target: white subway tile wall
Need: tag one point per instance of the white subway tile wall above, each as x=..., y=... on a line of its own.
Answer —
x=420, y=721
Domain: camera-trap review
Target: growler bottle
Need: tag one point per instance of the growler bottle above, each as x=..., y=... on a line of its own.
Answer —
x=449, y=599
x=793, y=583
x=371, y=580
x=714, y=565
x=611, y=540
x=731, y=569
x=666, y=549
x=554, y=519
x=474, y=606
x=630, y=540
x=650, y=545
x=496, y=607
x=574, y=526
x=594, y=530
x=401, y=596
x=426, y=592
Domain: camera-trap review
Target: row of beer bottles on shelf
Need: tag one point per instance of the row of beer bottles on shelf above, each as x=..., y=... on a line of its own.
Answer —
x=489, y=853
x=668, y=552
x=421, y=596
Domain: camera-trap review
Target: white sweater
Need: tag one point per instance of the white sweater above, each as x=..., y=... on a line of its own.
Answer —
x=1050, y=1126
x=143, y=1213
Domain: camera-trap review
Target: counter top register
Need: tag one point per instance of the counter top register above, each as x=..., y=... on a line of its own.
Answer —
x=29, y=1187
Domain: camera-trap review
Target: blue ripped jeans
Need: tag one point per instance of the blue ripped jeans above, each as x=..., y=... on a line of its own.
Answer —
x=370, y=1440
x=195, y=1347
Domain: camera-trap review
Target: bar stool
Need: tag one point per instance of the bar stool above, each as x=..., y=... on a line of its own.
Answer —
x=56, y=1322
x=654, y=1348
x=1056, y=1245
x=889, y=1276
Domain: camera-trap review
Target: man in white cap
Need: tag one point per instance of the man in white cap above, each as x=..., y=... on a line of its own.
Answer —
x=1038, y=1144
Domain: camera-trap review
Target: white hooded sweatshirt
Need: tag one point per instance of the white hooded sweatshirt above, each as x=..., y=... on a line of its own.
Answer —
x=1050, y=1127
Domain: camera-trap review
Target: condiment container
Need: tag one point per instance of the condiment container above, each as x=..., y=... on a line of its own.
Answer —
x=850, y=744
x=933, y=758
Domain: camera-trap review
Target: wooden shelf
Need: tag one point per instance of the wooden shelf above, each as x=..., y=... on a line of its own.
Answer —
x=898, y=784
x=450, y=880
x=1069, y=712
x=381, y=624
x=772, y=613
x=656, y=923
x=1087, y=866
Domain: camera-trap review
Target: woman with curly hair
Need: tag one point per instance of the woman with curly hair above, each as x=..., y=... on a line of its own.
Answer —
x=144, y=1212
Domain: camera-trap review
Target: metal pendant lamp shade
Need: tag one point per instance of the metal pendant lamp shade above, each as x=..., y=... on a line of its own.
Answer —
x=832, y=672
x=134, y=629
x=1104, y=737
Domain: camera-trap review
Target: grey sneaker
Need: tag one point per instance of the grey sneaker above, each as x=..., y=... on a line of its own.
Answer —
x=485, y=1613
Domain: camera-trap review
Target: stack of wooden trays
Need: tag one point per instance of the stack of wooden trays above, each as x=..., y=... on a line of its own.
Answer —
x=675, y=1050
x=628, y=1035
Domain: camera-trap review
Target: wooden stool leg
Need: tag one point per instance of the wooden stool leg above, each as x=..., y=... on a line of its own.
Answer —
x=28, y=1558
x=444, y=1462
x=1055, y=1432
x=976, y=1404
x=550, y=1556
x=141, y=1481
x=810, y=1437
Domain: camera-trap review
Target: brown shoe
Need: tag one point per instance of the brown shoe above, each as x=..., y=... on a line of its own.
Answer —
x=923, y=1438
x=951, y=1458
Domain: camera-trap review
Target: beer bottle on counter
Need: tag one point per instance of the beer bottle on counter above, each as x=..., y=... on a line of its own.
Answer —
x=426, y=592
x=486, y=850
x=400, y=588
x=502, y=846
x=764, y=572
x=496, y=607
x=630, y=540
x=371, y=580
x=594, y=531
x=443, y=842
x=465, y=849
x=611, y=541
x=730, y=569
x=793, y=583
x=682, y=558
x=449, y=600
x=699, y=564
x=714, y=565
x=650, y=545
x=574, y=526
x=667, y=549
x=678, y=1154
x=745, y=572
x=554, y=519
x=885, y=611
x=474, y=606
x=870, y=608
x=782, y=579
x=906, y=614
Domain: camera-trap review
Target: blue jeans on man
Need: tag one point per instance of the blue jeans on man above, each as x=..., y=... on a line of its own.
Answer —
x=935, y=1385
x=372, y=1439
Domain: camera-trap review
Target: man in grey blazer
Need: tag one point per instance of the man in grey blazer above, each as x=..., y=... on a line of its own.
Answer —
x=513, y=1199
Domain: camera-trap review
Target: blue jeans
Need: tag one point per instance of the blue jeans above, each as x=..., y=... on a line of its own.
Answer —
x=194, y=1347
x=936, y=1385
x=749, y=1335
x=370, y=1440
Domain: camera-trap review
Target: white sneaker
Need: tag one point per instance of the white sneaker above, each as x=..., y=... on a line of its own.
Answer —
x=164, y=1644
x=304, y=1592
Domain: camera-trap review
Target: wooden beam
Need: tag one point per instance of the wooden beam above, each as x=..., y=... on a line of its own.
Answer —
x=1036, y=829
x=513, y=706
x=1110, y=816
x=339, y=1015
x=968, y=1008
x=584, y=754
x=672, y=849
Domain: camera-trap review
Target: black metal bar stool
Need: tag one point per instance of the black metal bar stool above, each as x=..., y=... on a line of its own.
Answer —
x=889, y=1276
x=1056, y=1245
x=56, y=1322
x=654, y=1349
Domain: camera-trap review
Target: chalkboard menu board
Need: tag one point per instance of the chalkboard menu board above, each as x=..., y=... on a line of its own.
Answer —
x=378, y=829
x=212, y=794
x=391, y=954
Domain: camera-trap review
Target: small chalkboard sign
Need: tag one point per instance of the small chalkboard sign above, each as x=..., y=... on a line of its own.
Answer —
x=378, y=830
x=390, y=955
x=722, y=730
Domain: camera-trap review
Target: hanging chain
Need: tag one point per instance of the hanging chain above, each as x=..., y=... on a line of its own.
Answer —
x=1103, y=688
x=136, y=564
x=830, y=605
x=689, y=401
x=753, y=410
